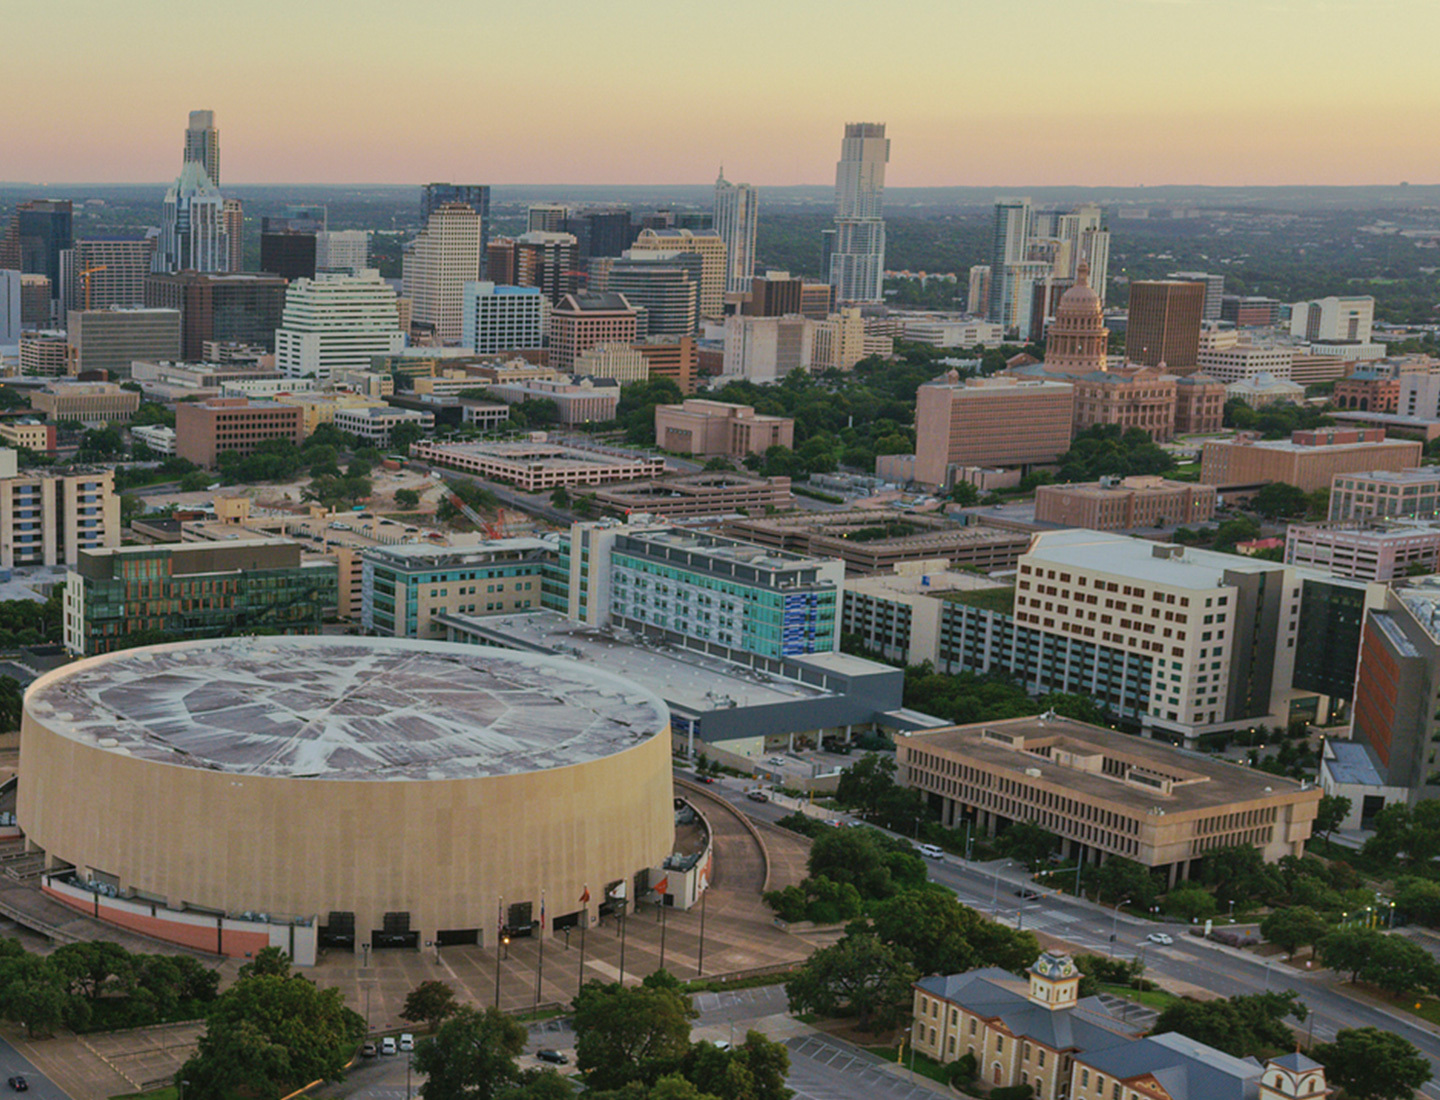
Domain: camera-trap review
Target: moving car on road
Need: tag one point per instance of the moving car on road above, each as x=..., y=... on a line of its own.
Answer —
x=1160, y=938
x=19, y=1084
x=554, y=1057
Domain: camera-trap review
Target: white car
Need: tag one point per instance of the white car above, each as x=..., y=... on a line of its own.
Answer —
x=1160, y=938
x=930, y=851
x=407, y=1041
x=387, y=1045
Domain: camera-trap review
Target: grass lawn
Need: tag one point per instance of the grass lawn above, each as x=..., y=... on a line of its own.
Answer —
x=924, y=1066
x=1157, y=999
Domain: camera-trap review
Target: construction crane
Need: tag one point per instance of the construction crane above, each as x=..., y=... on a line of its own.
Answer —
x=85, y=276
x=495, y=530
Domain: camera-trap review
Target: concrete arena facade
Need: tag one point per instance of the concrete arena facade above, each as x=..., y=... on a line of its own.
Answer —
x=297, y=777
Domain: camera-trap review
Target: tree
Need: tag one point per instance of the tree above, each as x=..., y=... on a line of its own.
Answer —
x=471, y=1057
x=625, y=1034
x=1419, y=899
x=875, y=864
x=407, y=499
x=965, y=494
x=271, y=962
x=931, y=927
x=1294, y=927
x=1371, y=1064
x=89, y=967
x=1240, y=873
x=430, y=1002
x=404, y=434
x=1240, y=1026
x=1027, y=842
x=860, y=974
x=1332, y=811
x=1278, y=499
x=1189, y=902
x=268, y=1035
x=1121, y=879
x=1346, y=950
x=560, y=498
x=755, y=1070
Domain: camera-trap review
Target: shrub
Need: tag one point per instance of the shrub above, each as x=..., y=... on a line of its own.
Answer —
x=963, y=1070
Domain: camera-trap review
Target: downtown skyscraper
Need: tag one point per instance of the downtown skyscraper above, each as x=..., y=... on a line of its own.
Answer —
x=202, y=143
x=736, y=219
x=200, y=229
x=855, y=264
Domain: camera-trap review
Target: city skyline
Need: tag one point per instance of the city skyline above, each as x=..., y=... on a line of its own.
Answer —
x=1260, y=94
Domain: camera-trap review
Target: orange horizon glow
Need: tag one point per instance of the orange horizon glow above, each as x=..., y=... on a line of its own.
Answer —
x=974, y=92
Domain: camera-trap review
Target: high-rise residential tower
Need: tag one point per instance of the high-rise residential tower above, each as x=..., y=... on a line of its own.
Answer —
x=736, y=210
x=857, y=254
x=442, y=259
x=202, y=144
x=1008, y=247
x=336, y=322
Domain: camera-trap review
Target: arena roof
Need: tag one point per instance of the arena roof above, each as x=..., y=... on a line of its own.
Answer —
x=346, y=708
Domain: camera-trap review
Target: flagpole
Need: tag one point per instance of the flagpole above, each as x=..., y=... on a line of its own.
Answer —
x=499, y=927
x=540, y=966
x=622, y=942
x=663, y=922
x=584, y=924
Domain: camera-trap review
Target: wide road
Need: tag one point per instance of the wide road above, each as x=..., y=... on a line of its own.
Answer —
x=15, y=1064
x=992, y=888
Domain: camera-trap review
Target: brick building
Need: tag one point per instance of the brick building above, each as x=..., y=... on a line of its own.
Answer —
x=998, y=421
x=580, y=321
x=1199, y=404
x=1120, y=504
x=206, y=429
x=1368, y=390
x=714, y=428
x=1308, y=459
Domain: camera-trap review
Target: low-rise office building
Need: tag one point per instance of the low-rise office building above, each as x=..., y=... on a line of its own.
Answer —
x=206, y=429
x=374, y=424
x=159, y=438
x=1106, y=793
x=87, y=402
x=406, y=588
x=1390, y=494
x=322, y=406
x=538, y=465
x=578, y=401
x=167, y=381
x=111, y=339
x=1121, y=504
x=33, y=435
x=45, y=354
x=1308, y=459
x=49, y=515
x=998, y=421
x=710, y=429
x=1368, y=389
x=193, y=590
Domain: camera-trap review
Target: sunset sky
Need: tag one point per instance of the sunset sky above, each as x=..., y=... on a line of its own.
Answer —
x=974, y=92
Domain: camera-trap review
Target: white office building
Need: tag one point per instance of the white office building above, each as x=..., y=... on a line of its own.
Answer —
x=336, y=322
x=9, y=308
x=195, y=228
x=1329, y=319
x=736, y=219
x=1243, y=362
x=502, y=318
x=346, y=251
x=441, y=260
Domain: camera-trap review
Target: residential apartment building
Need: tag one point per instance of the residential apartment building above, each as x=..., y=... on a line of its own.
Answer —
x=998, y=421
x=335, y=323
x=737, y=208
x=198, y=226
x=1388, y=494
x=1309, y=459
x=48, y=516
x=230, y=308
x=502, y=319
x=406, y=587
x=854, y=259
x=703, y=591
x=187, y=590
x=1122, y=504
x=87, y=402
x=111, y=339
x=716, y=429
x=207, y=429
x=1098, y=790
x=1163, y=325
x=441, y=260
x=581, y=321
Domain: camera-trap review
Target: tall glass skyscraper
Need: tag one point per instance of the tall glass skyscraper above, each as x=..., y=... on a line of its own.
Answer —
x=857, y=254
x=202, y=143
x=736, y=218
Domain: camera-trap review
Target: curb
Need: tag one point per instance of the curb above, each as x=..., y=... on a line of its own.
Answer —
x=745, y=821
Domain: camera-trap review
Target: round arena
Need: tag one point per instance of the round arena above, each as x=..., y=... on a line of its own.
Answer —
x=307, y=792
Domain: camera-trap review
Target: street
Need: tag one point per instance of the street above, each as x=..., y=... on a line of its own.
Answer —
x=13, y=1064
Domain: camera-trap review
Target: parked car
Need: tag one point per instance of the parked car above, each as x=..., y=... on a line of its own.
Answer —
x=554, y=1057
x=407, y=1041
x=387, y=1045
x=19, y=1084
x=757, y=796
x=369, y=1050
x=1160, y=938
x=706, y=779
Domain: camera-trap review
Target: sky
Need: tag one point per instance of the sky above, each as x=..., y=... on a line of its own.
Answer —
x=973, y=92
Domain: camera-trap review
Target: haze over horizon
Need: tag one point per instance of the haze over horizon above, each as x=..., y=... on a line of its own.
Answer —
x=1106, y=93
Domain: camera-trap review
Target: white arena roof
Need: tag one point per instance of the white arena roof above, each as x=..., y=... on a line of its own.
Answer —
x=346, y=708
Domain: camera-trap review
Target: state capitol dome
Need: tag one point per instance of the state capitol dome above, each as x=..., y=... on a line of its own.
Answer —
x=1077, y=340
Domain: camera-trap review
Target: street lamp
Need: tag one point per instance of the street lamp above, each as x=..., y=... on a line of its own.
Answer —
x=1114, y=921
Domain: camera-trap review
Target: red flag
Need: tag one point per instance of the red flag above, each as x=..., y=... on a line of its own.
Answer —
x=661, y=886
x=585, y=897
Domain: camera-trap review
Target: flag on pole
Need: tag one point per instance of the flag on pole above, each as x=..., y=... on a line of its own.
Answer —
x=585, y=897
x=662, y=886
x=542, y=912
